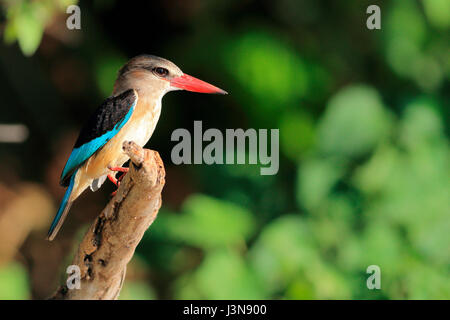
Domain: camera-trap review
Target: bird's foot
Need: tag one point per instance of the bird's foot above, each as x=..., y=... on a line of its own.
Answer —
x=120, y=178
x=115, y=180
x=119, y=169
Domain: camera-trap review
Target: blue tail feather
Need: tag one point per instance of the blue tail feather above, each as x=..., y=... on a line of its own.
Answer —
x=62, y=211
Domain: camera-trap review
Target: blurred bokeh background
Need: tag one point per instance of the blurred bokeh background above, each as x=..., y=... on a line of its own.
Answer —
x=364, y=154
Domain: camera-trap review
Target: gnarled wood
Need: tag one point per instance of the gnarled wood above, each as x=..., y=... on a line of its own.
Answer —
x=110, y=242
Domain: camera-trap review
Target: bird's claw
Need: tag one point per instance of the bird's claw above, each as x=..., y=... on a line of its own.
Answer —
x=115, y=180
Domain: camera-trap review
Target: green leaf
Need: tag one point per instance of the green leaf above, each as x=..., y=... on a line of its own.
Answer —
x=133, y=290
x=272, y=76
x=297, y=134
x=10, y=33
x=209, y=222
x=283, y=251
x=405, y=33
x=425, y=282
x=14, y=283
x=251, y=60
x=300, y=289
x=438, y=12
x=374, y=175
x=354, y=123
x=315, y=179
x=106, y=70
x=225, y=275
x=421, y=124
x=29, y=29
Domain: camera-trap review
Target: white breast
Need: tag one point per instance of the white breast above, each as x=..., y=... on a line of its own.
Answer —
x=140, y=130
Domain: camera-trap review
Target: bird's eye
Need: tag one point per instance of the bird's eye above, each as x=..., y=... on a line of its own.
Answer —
x=162, y=72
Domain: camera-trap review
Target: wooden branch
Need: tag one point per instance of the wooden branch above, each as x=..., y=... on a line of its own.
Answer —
x=110, y=242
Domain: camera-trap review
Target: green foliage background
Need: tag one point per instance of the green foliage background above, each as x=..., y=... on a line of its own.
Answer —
x=364, y=155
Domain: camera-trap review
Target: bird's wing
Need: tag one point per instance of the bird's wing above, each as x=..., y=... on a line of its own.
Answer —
x=101, y=127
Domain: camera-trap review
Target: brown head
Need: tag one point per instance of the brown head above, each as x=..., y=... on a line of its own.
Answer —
x=156, y=76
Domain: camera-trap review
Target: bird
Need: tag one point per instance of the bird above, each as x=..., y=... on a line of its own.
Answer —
x=129, y=114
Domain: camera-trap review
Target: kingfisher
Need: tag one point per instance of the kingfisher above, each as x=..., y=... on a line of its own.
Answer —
x=129, y=114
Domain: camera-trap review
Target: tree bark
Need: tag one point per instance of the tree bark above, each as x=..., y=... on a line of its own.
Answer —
x=110, y=242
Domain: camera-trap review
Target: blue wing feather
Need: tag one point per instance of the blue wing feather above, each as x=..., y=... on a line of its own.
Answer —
x=62, y=211
x=80, y=154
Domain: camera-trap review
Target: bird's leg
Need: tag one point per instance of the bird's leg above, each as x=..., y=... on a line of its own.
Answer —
x=119, y=169
x=115, y=180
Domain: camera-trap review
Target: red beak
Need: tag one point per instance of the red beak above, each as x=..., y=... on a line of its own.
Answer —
x=189, y=83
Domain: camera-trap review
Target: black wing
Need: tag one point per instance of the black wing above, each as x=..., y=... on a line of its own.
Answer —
x=101, y=127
